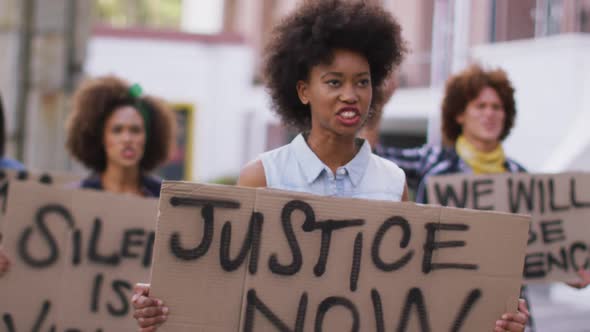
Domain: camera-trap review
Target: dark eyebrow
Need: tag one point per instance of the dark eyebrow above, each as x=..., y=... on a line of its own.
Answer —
x=338, y=74
x=332, y=73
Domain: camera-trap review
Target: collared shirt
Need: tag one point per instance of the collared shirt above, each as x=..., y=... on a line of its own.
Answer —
x=420, y=163
x=296, y=167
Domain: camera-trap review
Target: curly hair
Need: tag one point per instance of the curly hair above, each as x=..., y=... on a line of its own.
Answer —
x=93, y=104
x=309, y=36
x=465, y=87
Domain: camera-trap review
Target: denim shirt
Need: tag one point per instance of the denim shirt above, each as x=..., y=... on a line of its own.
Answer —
x=296, y=167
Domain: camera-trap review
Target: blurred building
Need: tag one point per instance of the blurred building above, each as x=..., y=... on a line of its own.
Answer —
x=42, y=51
x=444, y=36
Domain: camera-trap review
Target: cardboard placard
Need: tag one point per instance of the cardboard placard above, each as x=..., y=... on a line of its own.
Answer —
x=48, y=178
x=558, y=203
x=243, y=259
x=76, y=255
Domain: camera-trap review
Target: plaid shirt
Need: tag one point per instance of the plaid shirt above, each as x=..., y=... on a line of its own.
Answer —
x=420, y=163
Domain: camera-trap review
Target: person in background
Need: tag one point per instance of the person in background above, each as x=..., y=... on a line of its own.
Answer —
x=5, y=163
x=325, y=67
x=478, y=113
x=121, y=135
x=118, y=133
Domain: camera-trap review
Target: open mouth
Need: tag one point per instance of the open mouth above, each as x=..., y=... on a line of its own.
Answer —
x=128, y=153
x=349, y=116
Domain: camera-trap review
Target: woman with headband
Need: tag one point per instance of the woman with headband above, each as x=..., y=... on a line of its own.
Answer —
x=121, y=135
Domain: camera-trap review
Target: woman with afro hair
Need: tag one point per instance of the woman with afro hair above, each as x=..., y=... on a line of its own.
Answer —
x=120, y=135
x=324, y=69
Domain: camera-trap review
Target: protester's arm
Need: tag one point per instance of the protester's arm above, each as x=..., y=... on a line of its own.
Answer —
x=405, y=196
x=514, y=322
x=252, y=175
x=4, y=262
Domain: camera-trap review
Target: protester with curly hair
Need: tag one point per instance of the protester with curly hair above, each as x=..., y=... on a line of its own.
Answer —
x=478, y=113
x=120, y=134
x=324, y=69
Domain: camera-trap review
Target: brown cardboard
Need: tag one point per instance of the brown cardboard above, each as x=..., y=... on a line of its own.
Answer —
x=195, y=301
x=52, y=178
x=558, y=203
x=68, y=286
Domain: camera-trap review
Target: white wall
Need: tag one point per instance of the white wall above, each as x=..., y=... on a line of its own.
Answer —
x=215, y=77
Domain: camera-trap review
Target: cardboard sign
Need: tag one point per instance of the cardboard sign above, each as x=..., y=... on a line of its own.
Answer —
x=48, y=178
x=243, y=259
x=560, y=209
x=76, y=255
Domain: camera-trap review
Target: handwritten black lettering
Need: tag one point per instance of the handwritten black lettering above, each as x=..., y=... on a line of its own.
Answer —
x=378, y=310
x=554, y=206
x=76, y=247
x=9, y=323
x=450, y=195
x=522, y=192
x=468, y=304
x=203, y=247
x=132, y=238
x=573, y=197
x=95, y=297
x=149, y=249
x=93, y=253
x=533, y=266
x=202, y=202
x=45, y=179
x=327, y=227
x=541, y=186
x=207, y=212
x=45, y=308
x=22, y=175
x=552, y=231
x=253, y=303
x=431, y=245
x=4, y=194
x=333, y=301
x=123, y=289
x=414, y=298
x=356, y=261
x=251, y=243
x=297, y=261
x=405, y=240
x=483, y=187
x=553, y=261
x=53, y=252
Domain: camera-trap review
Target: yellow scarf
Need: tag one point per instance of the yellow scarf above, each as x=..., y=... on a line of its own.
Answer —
x=481, y=162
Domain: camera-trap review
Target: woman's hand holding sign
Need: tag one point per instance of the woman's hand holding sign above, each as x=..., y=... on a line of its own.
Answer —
x=150, y=313
x=514, y=322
